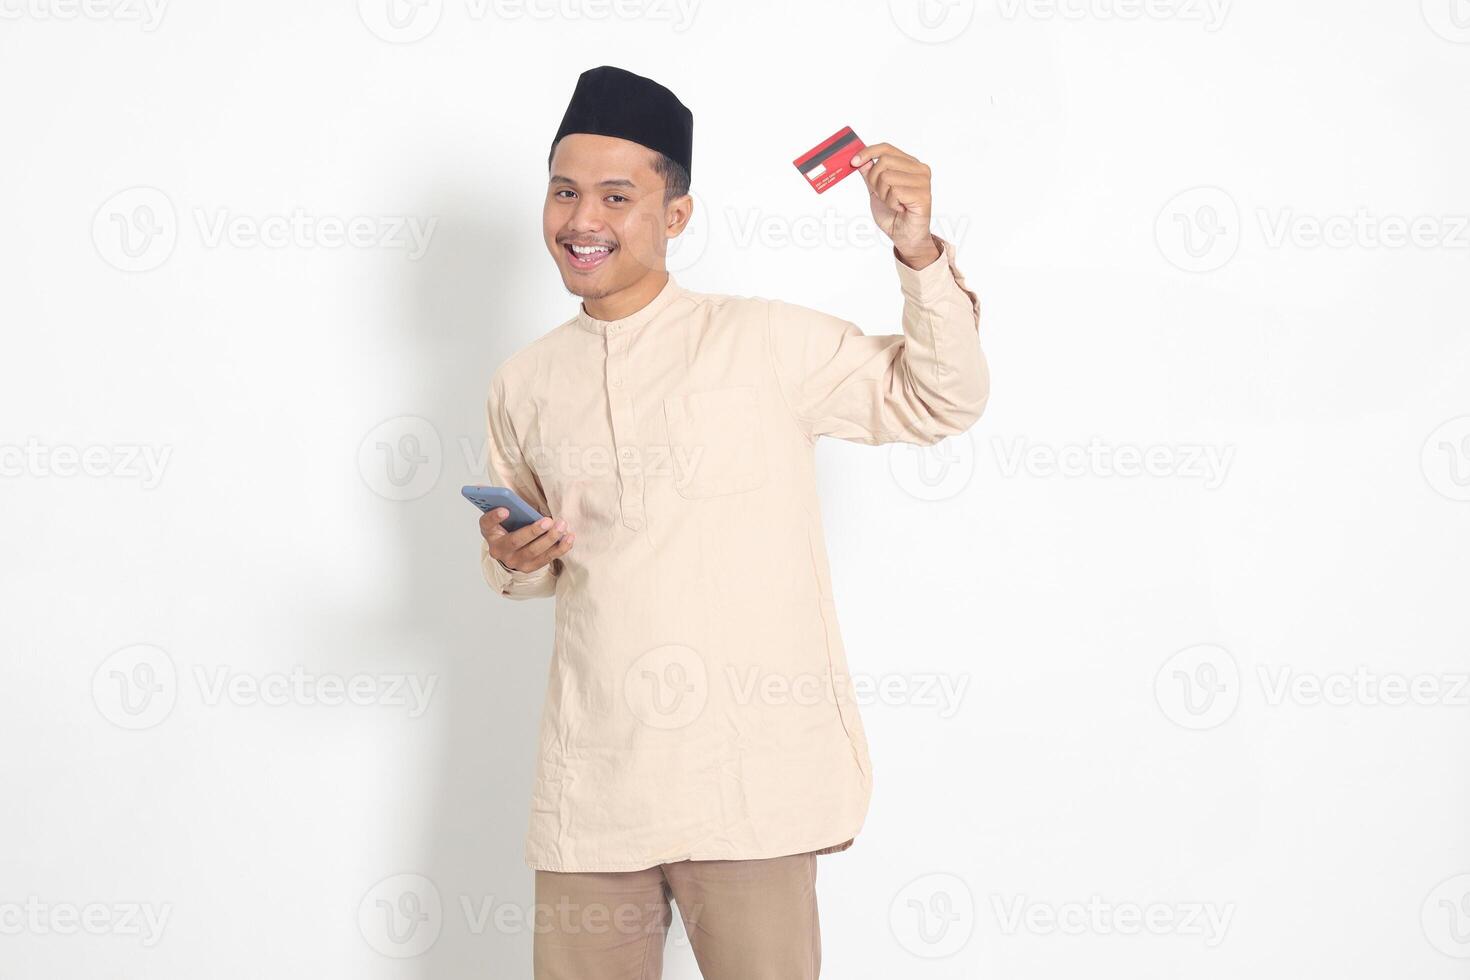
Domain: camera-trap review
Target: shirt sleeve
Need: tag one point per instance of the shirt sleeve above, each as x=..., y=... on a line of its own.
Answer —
x=507, y=467
x=929, y=382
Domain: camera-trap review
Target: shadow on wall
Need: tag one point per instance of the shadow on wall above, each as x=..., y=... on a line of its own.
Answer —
x=466, y=316
x=470, y=302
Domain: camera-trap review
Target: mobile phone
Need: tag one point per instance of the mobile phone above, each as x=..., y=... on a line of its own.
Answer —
x=489, y=498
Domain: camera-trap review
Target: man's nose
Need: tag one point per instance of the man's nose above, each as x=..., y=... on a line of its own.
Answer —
x=587, y=215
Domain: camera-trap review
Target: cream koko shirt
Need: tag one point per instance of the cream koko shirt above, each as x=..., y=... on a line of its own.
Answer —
x=699, y=704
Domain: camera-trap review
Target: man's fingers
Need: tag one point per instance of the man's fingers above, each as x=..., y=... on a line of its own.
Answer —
x=516, y=540
x=544, y=542
x=892, y=188
x=885, y=150
x=527, y=562
x=562, y=546
x=490, y=523
x=907, y=169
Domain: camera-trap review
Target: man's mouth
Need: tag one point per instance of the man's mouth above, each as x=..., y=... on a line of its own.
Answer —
x=587, y=257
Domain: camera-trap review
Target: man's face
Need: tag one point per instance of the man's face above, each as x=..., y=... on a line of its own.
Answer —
x=605, y=220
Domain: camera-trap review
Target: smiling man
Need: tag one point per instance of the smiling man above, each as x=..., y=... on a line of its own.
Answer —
x=700, y=740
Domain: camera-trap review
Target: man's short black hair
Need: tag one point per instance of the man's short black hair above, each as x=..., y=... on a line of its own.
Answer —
x=676, y=178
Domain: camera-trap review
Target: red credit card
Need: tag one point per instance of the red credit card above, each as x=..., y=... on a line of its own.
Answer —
x=830, y=160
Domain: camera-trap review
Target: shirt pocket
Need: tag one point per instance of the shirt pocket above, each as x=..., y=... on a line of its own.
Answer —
x=716, y=441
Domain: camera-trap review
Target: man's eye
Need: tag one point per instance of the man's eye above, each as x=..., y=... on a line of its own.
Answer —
x=563, y=191
x=616, y=198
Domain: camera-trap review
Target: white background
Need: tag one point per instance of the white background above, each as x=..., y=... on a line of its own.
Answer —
x=1134, y=191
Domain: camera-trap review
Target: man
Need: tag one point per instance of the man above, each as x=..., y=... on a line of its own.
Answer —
x=699, y=739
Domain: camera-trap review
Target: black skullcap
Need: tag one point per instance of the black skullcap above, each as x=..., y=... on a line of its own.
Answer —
x=609, y=101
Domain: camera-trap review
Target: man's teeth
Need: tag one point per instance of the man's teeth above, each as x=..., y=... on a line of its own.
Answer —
x=590, y=249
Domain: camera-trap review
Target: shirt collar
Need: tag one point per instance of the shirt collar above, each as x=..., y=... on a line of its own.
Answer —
x=671, y=291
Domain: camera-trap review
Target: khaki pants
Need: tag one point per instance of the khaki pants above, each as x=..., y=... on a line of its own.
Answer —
x=747, y=920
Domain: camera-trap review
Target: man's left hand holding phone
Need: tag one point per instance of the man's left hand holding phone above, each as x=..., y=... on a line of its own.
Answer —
x=519, y=537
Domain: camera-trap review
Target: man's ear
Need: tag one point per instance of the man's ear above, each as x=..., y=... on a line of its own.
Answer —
x=677, y=215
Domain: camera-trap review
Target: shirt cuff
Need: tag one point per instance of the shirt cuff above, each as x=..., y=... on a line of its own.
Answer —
x=511, y=583
x=933, y=277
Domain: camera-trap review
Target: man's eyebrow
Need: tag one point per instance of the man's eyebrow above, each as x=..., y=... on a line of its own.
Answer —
x=611, y=182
